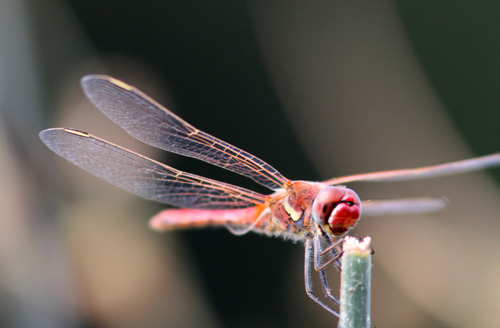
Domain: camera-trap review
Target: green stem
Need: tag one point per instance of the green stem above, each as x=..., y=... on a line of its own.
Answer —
x=355, y=289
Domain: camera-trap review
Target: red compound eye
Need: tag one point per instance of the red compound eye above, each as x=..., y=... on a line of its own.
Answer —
x=337, y=207
x=325, y=202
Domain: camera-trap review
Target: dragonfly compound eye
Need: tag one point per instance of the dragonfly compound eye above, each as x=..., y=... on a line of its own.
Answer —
x=338, y=208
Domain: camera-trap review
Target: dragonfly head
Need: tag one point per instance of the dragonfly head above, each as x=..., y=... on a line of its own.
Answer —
x=338, y=208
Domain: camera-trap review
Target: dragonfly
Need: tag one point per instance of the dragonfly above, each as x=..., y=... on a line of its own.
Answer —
x=316, y=213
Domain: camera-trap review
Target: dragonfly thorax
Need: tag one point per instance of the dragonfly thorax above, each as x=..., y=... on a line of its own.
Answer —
x=336, y=208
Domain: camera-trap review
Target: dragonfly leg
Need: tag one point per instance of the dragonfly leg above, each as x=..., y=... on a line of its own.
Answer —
x=337, y=251
x=308, y=281
x=320, y=251
x=326, y=287
x=331, y=245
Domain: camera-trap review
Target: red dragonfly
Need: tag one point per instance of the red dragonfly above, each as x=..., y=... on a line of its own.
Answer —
x=318, y=213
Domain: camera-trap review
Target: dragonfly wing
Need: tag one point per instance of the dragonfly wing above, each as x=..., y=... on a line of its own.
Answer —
x=148, y=121
x=473, y=164
x=143, y=176
x=403, y=206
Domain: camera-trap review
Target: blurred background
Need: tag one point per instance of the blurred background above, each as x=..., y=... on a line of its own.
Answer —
x=316, y=89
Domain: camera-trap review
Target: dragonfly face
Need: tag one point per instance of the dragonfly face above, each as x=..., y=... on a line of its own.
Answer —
x=337, y=208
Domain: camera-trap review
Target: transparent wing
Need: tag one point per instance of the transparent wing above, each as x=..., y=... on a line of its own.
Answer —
x=143, y=176
x=403, y=206
x=146, y=120
x=473, y=164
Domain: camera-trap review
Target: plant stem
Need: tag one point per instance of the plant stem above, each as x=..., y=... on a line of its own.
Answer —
x=355, y=289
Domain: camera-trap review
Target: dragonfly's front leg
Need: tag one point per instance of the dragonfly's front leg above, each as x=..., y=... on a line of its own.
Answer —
x=331, y=249
x=327, y=252
x=308, y=282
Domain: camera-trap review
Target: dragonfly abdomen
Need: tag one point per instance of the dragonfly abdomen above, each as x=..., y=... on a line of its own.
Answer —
x=184, y=218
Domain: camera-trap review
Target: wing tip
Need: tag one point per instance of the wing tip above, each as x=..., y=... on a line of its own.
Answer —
x=88, y=80
x=47, y=135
